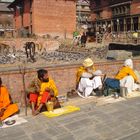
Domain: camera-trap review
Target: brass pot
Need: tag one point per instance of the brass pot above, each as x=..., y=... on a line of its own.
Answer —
x=50, y=106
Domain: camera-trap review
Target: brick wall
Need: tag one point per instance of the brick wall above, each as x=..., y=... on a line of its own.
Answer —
x=106, y=13
x=135, y=7
x=6, y=18
x=18, y=24
x=54, y=17
x=106, y=10
x=63, y=75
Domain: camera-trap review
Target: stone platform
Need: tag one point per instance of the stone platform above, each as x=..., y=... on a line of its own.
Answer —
x=113, y=121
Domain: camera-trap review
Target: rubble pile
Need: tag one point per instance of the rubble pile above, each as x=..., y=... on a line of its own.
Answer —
x=58, y=56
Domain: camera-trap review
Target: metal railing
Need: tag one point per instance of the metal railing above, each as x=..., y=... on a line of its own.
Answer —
x=126, y=37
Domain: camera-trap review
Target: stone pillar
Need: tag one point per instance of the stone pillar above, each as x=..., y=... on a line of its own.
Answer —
x=112, y=29
x=132, y=25
x=138, y=22
x=96, y=31
x=106, y=24
x=118, y=25
x=124, y=24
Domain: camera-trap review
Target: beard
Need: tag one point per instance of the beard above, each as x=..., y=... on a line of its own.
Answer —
x=90, y=70
x=45, y=80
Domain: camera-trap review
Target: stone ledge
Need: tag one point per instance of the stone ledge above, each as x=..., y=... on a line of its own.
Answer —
x=98, y=101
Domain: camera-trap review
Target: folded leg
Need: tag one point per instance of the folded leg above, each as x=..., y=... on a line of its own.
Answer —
x=10, y=110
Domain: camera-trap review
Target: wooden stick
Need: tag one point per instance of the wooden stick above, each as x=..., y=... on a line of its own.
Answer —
x=22, y=71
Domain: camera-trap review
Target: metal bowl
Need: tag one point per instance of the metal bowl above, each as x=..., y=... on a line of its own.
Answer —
x=10, y=122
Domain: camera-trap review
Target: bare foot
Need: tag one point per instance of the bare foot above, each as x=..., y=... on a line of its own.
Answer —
x=34, y=113
x=1, y=124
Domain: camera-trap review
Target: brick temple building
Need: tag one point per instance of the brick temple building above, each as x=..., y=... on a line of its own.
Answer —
x=6, y=18
x=41, y=17
x=122, y=15
x=83, y=12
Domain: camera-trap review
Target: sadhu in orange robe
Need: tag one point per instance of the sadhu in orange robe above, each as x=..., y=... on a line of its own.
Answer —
x=5, y=104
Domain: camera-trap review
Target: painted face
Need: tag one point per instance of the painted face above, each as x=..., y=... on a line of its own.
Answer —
x=45, y=78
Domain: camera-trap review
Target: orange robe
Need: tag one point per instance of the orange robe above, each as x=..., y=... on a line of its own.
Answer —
x=125, y=71
x=80, y=71
x=36, y=86
x=51, y=85
x=10, y=109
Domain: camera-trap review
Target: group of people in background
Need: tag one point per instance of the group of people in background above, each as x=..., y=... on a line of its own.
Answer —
x=80, y=39
x=88, y=80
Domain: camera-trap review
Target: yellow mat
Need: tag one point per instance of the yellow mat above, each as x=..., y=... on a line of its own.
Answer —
x=133, y=94
x=61, y=111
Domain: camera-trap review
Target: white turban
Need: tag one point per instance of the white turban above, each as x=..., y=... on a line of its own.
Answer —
x=88, y=62
x=129, y=63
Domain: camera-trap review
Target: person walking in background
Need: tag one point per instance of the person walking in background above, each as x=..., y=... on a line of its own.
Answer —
x=83, y=39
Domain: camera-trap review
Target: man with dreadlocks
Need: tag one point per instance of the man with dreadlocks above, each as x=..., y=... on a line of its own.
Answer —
x=41, y=90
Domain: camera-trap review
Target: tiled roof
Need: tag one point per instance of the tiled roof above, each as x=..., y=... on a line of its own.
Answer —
x=7, y=0
x=14, y=3
x=3, y=7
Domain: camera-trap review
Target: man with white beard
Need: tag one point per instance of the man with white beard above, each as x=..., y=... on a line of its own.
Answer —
x=88, y=79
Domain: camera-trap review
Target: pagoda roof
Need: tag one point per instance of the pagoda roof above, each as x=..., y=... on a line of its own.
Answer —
x=14, y=3
x=4, y=7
